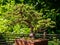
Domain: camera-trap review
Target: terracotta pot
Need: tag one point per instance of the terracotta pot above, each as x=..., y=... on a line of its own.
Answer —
x=29, y=42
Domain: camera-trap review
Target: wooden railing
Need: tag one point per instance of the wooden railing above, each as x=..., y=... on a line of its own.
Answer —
x=8, y=39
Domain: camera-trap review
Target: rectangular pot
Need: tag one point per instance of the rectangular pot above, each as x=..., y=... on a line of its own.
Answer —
x=29, y=42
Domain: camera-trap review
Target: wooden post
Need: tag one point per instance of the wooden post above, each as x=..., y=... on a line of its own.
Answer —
x=44, y=35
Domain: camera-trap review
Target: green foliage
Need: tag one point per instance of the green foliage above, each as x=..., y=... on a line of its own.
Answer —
x=19, y=30
x=25, y=14
x=46, y=23
x=43, y=17
x=3, y=25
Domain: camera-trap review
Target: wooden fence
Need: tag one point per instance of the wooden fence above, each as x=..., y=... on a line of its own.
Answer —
x=8, y=39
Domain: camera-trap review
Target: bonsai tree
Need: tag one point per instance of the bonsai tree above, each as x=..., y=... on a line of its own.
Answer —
x=25, y=14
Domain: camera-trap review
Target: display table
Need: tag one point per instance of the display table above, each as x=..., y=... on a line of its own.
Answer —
x=31, y=42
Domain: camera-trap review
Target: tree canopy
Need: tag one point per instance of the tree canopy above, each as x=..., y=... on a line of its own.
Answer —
x=19, y=15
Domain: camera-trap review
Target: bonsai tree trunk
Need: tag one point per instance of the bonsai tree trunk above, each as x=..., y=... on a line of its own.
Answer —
x=31, y=35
